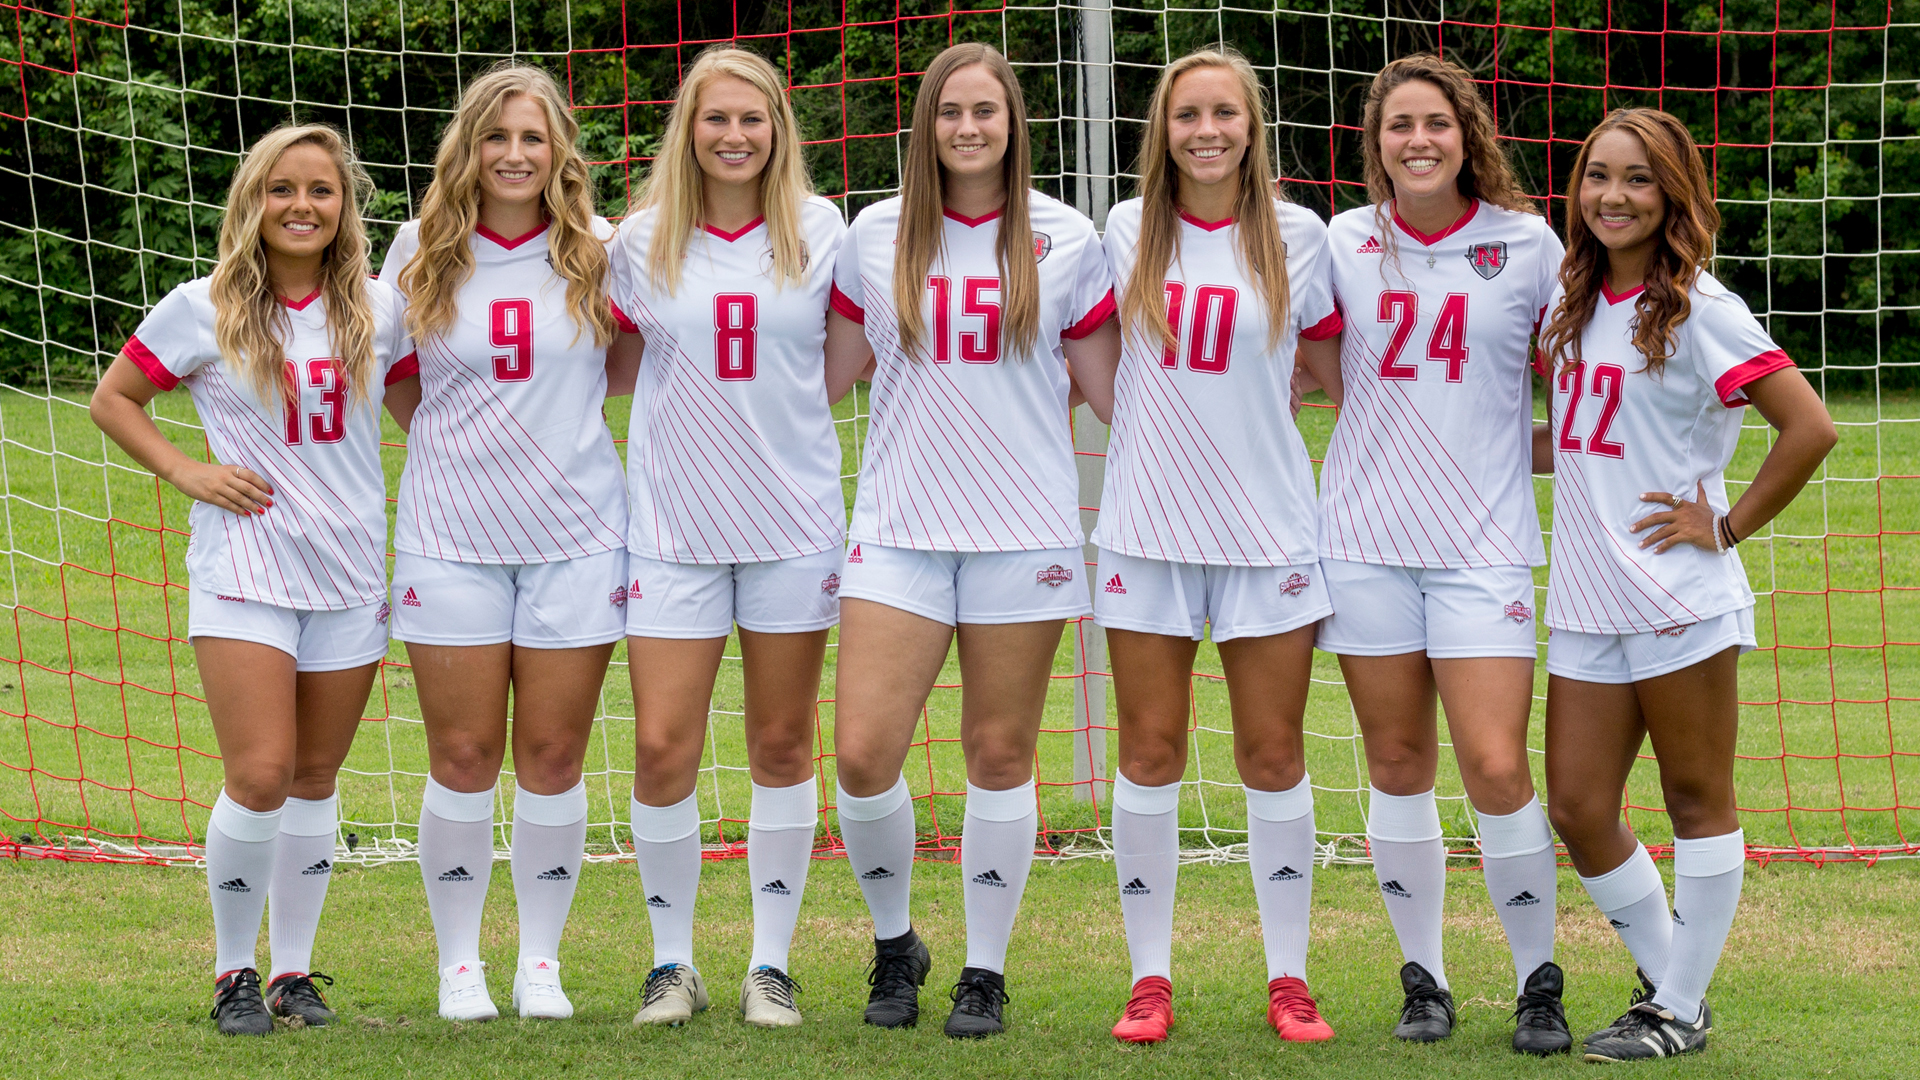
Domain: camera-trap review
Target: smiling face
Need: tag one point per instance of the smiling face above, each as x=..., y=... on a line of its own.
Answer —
x=970, y=125
x=1620, y=201
x=304, y=196
x=1208, y=126
x=732, y=131
x=1420, y=142
x=516, y=154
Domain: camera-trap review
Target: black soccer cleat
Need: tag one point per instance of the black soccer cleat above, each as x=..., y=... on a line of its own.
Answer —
x=1649, y=1031
x=1540, y=1021
x=978, y=999
x=1427, y=1014
x=237, y=1008
x=294, y=996
x=897, y=972
x=1640, y=996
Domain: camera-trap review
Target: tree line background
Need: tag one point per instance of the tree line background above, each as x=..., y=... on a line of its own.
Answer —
x=117, y=146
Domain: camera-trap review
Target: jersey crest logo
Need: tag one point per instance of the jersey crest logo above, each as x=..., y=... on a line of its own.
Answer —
x=409, y=600
x=766, y=258
x=1371, y=247
x=1671, y=631
x=831, y=585
x=1295, y=585
x=1042, y=247
x=1519, y=612
x=1114, y=586
x=1488, y=260
x=618, y=597
x=385, y=612
x=1053, y=576
x=854, y=555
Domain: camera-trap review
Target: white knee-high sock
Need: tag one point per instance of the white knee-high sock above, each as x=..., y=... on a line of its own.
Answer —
x=456, y=862
x=549, y=841
x=302, y=867
x=1634, y=900
x=1517, y=860
x=779, y=851
x=240, y=850
x=1411, y=863
x=996, y=851
x=1280, y=840
x=878, y=832
x=1146, y=856
x=666, y=847
x=1707, y=875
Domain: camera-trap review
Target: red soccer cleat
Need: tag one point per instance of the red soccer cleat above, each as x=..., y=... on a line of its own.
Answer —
x=1149, y=1012
x=1291, y=1011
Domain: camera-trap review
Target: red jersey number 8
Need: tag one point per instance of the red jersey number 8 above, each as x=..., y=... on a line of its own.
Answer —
x=735, y=319
x=512, y=330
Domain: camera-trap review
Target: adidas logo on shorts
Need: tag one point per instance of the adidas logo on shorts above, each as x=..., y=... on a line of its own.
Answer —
x=1525, y=899
x=1671, y=631
x=1053, y=576
x=991, y=877
x=1295, y=585
x=618, y=597
x=1519, y=612
x=831, y=585
x=854, y=555
x=1394, y=888
x=558, y=873
x=777, y=888
x=324, y=866
x=1371, y=247
x=1136, y=887
x=1114, y=586
x=409, y=599
x=633, y=590
x=1285, y=873
x=229, y=599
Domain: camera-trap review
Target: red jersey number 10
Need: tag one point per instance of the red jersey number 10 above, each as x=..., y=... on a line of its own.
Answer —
x=1213, y=309
x=1447, y=343
x=511, y=323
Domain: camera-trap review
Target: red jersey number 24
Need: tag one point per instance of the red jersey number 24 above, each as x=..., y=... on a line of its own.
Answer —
x=1447, y=343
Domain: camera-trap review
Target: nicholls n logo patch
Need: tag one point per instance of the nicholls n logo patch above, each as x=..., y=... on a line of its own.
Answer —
x=1488, y=260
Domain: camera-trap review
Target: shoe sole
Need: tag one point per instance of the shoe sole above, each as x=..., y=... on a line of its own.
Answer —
x=780, y=1023
x=1423, y=1038
x=1313, y=1038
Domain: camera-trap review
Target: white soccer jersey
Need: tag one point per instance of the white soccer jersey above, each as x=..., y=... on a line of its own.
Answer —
x=1430, y=463
x=321, y=546
x=732, y=455
x=1620, y=432
x=509, y=459
x=1205, y=464
x=969, y=448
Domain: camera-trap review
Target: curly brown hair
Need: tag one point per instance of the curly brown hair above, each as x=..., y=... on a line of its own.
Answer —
x=1484, y=174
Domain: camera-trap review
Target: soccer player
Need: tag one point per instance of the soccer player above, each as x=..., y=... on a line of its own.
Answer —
x=737, y=517
x=1427, y=523
x=1652, y=360
x=510, y=567
x=975, y=298
x=288, y=351
x=1208, y=515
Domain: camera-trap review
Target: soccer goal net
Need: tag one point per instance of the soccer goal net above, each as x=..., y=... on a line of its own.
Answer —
x=121, y=122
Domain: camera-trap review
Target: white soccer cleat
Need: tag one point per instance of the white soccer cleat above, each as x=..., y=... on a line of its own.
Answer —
x=536, y=990
x=766, y=998
x=463, y=992
x=673, y=993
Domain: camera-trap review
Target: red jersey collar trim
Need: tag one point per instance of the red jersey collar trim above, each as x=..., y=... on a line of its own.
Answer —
x=1614, y=297
x=516, y=241
x=1210, y=226
x=1473, y=208
x=973, y=223
x=301, y=305
x=730, y=237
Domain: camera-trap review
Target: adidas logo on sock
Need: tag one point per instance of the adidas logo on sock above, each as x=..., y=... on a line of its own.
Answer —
x=1136, y=887
x=991, y=877
x=1114, y=586
x=1525, y=899
x=777, y=888
x=1285, y=873
x=1371, y=247
x=878, y=873
x=1617, y=924
x=558, y=873
x=458, y=873
x=324, y=866
x=658, y=901
x=1394, y=888
x=1677, y=920
x=236, y=885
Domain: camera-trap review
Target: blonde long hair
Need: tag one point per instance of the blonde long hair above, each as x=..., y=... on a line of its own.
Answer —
x=248, y=317
x=675, y=184
x=450, y=210
x=922, y=207
x=1143, y=306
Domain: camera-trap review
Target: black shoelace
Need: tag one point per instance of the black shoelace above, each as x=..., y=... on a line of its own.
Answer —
x=978, y=997
x=1540, y=1011
x=242, y=994
x=777, y=985
x=659, y=981
x=892, y=975
x=300, y=988
x=1427, y=1004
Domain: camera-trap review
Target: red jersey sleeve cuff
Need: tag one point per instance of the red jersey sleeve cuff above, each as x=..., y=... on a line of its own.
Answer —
x=149, y=364
x=844, y=304
x=1101, y=312
x=1728, y=385
x=407, y=367
x=626, y=325
x=1325, y=328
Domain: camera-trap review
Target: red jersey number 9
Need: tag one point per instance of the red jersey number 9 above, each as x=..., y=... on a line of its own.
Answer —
x=736, y=316
x=512, y=330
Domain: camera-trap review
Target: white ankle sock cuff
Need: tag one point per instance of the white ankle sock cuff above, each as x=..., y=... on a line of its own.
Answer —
x=1627, y=884
x=784, y=807
x=1523, y=832
x=552, y=810
x=311, y=817
x=1142, y=799
x=236, y=822
x=870, y=807
x=665, y=824
x=450, y=805
x=1290, y=805
x=1709, y=856
x=1010, y=804
x=1402, y=819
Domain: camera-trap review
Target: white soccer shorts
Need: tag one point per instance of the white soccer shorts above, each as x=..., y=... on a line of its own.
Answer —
x=705, y=600
x=317, y=640
x=981, y=587
x=1448, y=614
x=1625, y=658
x=567, y=604
x=1181, y=599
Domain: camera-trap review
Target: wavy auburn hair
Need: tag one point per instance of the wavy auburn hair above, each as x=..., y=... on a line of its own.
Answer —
x=1143, y=305
x=676, y=186
x=248, y=317
x=922, y=206
x=1686, y=242
x=451, y=208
